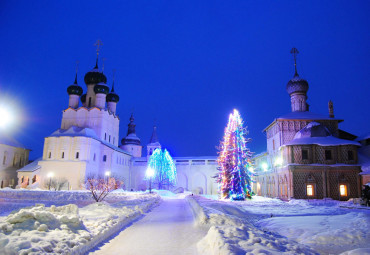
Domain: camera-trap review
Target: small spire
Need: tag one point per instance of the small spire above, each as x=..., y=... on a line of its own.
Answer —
x=114, y=74
x=77, y=62
x=154, y=138
x=331, y=109
x=97, y=44
x=294, y=51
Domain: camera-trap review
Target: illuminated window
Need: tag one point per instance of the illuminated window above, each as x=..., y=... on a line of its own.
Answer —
x=343, y=190
x=309, y=190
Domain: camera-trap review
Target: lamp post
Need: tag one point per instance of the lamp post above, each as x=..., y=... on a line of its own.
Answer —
x=150, y=173
x=50, y=175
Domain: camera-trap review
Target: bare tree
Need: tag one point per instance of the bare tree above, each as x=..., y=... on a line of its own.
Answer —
x=55, y=183
x=101, y=186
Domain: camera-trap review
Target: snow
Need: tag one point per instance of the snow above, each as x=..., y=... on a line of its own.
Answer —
x=323, y=141
x=67, y=229
x=272, y=226
x=306, y=116
x=168, y=229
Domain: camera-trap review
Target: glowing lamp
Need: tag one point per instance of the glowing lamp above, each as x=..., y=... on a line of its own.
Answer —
x=264, y=166
x=278, y=161
x=150, y=172
x=50, y=175
x=5, y=117
x=107, y=173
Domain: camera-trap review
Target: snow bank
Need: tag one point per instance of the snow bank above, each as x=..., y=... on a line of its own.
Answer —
x=68, y=229
x=230, y=231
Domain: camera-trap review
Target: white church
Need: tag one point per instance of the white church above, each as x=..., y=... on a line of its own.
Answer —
x=88, y=144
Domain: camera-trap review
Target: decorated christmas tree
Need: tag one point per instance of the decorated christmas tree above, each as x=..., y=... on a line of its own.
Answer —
x=235, y=168
x=164, y=168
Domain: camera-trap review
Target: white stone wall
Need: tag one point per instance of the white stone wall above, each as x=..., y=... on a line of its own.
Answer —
x=11, y=159
x=105, y=124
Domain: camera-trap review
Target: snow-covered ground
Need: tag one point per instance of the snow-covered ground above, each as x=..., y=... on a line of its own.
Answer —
x=272, y=226
x=66, y=229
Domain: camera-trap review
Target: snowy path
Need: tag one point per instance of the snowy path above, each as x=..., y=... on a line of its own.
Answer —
x=168, y=229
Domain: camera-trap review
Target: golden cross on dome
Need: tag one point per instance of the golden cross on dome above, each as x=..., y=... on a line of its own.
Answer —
x=295, y=52
x=98, y=44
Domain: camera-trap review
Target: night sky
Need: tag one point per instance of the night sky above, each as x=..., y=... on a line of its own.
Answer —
x=186, y=64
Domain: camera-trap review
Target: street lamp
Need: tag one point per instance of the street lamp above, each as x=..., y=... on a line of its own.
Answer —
x=150, y=173
x=264, y=166
x=50, y=175
x=5, y=117
x=107, y=174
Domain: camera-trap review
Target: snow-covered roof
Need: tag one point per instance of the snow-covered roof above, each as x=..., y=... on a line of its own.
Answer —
x=306, y=116
x=364, y=161
x=154, y=144
x=75, y=131
x=31, y=167
x=363, y=137
x=322, y=141
x=132, y=136
x=10, y=141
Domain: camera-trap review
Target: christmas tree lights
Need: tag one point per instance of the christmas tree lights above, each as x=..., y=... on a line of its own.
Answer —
x=235, y=168
x=165, y=175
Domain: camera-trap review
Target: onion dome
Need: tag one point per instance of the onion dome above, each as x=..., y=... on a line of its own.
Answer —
x=101, y=88
x=297, y=85
x=95, y=76
x=83, y=98
x=74, y=89
x=112, y=96
x=313, y=129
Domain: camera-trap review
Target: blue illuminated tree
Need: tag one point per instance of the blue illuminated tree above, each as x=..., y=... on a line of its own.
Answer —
x=235, y=169
x=165, y=175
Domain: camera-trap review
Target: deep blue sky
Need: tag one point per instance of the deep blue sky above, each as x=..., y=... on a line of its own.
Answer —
x=186, y=64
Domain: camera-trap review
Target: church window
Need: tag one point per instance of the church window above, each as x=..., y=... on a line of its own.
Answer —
x=89, y=102
x=4, y=159
x=104, y=158
x=273, y=144
x=109, y=138
x=328, y=155
x=34, y=179
x=14, y=160
x=310, y=190
x=94, y=156
x=105, y=136
x=343, y=190
x=49, y=154
x=21, y=161
x=77, y=155
x=63, y=154
x=350, y=155
x=304, y=154
x=113, y=140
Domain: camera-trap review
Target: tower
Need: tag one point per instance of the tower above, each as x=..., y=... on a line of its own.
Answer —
x=131, y=143
x=154, y=143
x=112, y=99
x=74, y=92
x=297, y=89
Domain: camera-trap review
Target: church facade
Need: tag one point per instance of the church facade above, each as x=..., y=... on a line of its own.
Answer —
x=307, y=156
x=87, y=144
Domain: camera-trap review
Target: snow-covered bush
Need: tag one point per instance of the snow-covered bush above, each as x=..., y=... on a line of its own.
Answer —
x=101, y=186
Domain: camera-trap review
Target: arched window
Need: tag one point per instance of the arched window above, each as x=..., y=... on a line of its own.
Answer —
x=5, y=156
x=89, y=102
x=105, y=136
x=49, y=154
x=109, y=138
x=77, y=155
x=94, y=156
x=63, y=154
x=104, y=158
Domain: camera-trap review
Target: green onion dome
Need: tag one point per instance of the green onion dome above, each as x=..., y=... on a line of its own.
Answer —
x=112, y=96
x=95, y=76
x=101, y=88
x=75, y=89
